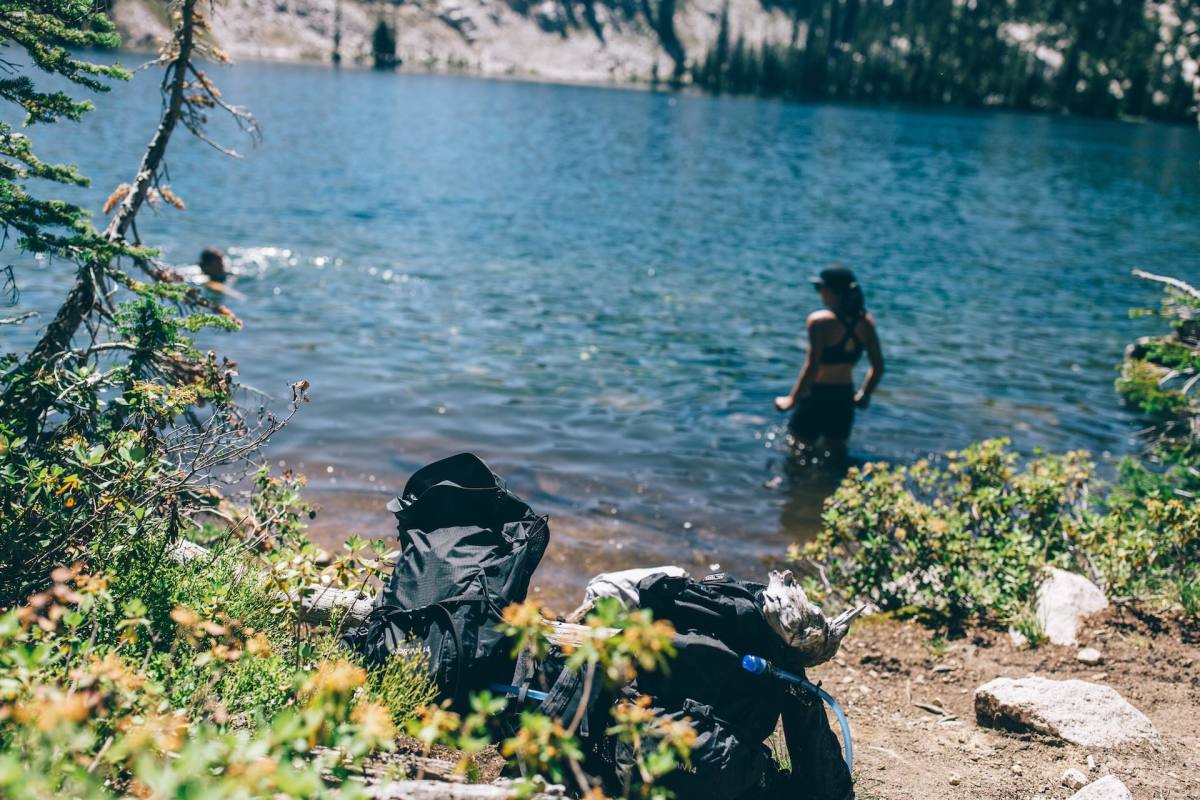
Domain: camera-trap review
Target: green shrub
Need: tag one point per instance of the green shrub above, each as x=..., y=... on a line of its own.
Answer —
x=966, y=538
x=955, y=539
x=1026, y=623
x=1160, y=377
x=403, y=685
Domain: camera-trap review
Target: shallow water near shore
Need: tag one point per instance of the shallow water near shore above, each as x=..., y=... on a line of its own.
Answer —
x=600, y=292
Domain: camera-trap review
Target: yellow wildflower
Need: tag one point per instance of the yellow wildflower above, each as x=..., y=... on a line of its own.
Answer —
x=336, y=677
x=375, y=721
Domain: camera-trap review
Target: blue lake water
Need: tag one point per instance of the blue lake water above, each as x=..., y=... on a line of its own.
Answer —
x=601, y=291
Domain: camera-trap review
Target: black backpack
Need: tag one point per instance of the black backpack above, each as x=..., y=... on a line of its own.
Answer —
x=468, y=547
x=717, y=620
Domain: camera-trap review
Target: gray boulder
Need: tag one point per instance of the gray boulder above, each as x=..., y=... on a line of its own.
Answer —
x=1086, y=714
x=1062, y=599
x=1107, y=788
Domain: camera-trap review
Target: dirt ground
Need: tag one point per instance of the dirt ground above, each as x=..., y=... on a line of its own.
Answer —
x=904, y=752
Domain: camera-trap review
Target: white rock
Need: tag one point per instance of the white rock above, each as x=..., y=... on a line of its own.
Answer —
x=1082, y=713
x=1062, y=598
x=1107, y=788
x=1074, y=779
x=1090, y=656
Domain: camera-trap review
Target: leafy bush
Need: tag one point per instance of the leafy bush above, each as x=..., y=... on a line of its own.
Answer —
x=965, y=536
x=1159, y=378
x=953, y=539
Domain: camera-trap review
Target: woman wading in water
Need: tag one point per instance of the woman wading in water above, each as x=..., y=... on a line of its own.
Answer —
x=823, y=400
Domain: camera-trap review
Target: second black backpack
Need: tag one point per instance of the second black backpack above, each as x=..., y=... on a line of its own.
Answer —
x=468, y=547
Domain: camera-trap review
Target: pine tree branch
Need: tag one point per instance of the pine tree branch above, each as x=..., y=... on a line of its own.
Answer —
x=18, y=319
x=87, y=290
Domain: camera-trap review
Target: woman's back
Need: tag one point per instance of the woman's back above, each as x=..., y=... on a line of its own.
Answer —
x=840, y=341
x=823, y=399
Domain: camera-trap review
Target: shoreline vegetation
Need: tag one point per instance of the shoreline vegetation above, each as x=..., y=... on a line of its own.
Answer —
x=126, y=670
x=1108, y=59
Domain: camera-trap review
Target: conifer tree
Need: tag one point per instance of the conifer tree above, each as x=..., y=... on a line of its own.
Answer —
x=111, y=424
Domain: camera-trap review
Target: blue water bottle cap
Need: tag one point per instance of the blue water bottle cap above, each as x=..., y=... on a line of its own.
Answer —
x=754, y=664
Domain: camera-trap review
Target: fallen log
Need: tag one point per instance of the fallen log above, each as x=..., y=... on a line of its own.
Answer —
x=321, y=605
x=439, y=790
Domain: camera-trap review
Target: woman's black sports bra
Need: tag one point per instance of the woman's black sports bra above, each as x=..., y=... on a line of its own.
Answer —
x=850, y=349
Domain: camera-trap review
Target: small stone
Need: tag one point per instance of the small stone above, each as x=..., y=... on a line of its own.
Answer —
x=943, y=668
x=1090, y=656
x=1091, y=763
x=955, y=780
x=1107, y=788
x=1017, y=769
x=1100, y=676
x=1074, y=779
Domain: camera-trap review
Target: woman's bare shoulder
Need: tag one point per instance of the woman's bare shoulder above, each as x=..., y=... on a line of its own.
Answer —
x=819, y=316
x=868, y=326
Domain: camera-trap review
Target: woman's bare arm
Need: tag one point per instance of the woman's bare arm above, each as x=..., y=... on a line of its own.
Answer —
x=875, y=370
x=807, y=372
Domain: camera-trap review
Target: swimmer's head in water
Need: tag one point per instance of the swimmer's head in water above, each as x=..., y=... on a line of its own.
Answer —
x=212, y=264
x=840, y=290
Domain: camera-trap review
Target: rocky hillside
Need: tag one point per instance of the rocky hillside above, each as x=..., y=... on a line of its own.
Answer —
x=1104, y=57
x=600, y=42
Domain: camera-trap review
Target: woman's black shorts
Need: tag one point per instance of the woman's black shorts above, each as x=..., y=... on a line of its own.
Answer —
x=827, y=410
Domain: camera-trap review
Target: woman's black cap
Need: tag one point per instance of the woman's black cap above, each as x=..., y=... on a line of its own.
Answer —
x=837, y=278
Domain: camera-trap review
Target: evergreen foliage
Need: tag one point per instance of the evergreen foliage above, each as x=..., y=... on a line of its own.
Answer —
x=110, y=426
x=1110, y=58
x=43, y=31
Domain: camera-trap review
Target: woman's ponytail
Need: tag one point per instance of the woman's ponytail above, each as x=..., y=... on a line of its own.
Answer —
x=853, y=303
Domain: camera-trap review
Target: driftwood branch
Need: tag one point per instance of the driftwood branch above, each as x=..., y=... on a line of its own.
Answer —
x=18, y=319
x=1174, y=283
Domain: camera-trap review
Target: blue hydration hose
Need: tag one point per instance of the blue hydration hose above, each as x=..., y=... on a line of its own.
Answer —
x=758, y=665
x=515, y=691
